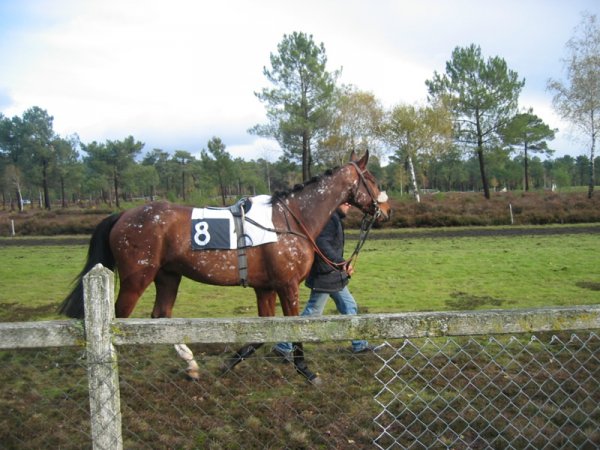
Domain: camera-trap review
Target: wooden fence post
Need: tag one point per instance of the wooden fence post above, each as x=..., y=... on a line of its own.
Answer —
x=102, y=368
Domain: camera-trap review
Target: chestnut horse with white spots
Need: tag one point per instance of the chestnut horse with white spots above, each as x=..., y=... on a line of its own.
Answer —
x=151, y=243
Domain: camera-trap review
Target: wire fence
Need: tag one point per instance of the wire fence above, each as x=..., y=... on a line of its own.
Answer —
x=521, y=391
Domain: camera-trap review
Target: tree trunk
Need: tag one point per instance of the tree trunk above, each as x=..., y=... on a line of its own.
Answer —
x=486, y=189
x=526, y=170
x=413, y=178
x=19, y=198
x=47, y=203
x=116, y=183
x=222, y=188
x=592, y=168
x=305, y=157
x=62, y=192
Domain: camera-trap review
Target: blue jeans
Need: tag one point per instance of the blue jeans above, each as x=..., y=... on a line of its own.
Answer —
x=345, y=304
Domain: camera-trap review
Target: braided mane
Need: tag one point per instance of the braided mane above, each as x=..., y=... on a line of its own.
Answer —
x=281, y=195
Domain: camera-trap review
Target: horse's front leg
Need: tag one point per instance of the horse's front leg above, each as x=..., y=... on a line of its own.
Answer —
x=193, y=370
x=266, y=308
x=167, y=285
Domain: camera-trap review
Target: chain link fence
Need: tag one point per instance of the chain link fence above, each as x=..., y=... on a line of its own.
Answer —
x=498, y=391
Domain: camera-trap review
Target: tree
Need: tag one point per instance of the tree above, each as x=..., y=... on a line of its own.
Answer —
x=298, y=106
x=37, y=135
x=27, y=142
x=447, y=170
x=482, y=96
x=183, y=159
x=165, y=167
x=113, y=159
x=417, y=131
x=219, y=165
x=530, y=132
x=356, y=118
x=66, y=163
x=578, y=98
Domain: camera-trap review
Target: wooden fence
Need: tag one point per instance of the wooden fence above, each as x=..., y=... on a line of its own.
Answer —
x=100, y=332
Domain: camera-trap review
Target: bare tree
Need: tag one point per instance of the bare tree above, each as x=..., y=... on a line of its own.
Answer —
x=577, y=99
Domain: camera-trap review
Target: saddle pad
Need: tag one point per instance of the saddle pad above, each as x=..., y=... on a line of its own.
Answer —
x=213, y=228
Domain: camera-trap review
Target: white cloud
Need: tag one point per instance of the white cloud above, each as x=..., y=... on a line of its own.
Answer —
x=174, y=74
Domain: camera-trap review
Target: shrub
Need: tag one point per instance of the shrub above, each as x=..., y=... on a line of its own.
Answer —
x=447, y=209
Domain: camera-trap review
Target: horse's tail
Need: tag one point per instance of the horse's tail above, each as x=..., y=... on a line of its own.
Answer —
x=98, y=252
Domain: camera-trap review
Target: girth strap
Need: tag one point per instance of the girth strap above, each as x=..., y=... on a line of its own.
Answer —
x=238, y=221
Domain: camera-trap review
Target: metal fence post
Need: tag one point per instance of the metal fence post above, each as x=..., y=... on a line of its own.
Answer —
x=102, y=368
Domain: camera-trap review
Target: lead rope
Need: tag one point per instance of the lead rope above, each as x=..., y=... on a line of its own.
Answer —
x=365, y=227
x=364, y=232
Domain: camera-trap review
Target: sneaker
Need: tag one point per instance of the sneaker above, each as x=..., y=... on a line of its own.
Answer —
x=369, y=349
x=281, y=356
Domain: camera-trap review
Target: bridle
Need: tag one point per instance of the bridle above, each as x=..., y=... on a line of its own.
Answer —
x=381, y=198
x=366, y=224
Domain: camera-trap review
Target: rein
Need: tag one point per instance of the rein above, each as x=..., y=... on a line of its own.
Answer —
x=365, y=227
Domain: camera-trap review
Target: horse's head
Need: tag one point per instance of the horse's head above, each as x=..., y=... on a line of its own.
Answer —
x=365, y=194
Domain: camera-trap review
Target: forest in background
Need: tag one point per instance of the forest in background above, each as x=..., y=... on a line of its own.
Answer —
x=472, y=135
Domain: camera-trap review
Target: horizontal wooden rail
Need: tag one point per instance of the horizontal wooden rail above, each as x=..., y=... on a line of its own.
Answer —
x=305, y=329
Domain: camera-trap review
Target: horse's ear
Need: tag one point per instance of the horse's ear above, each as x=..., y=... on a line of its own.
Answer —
x=362, y=162
x=353, y=156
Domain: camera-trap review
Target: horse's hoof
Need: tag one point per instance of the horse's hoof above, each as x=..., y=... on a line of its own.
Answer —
x=192, y=375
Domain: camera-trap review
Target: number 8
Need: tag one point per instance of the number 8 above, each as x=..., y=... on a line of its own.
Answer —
x=202, y=236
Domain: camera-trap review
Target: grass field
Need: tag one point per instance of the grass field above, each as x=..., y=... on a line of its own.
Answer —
x=392, y=275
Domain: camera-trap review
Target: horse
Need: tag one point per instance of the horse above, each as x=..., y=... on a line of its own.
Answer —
x=151, y=243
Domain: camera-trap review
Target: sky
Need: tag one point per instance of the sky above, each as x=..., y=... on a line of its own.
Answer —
x=174, y=74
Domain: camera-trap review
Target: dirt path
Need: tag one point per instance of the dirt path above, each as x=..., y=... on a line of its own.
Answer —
x=416, y=234
x=487, y=232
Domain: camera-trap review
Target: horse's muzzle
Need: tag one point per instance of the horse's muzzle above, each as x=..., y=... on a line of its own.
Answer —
x=384, y=212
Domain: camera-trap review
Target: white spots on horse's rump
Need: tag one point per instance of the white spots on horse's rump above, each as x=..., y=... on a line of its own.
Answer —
x=143, y=262
x=123, y=242
x=156, y=218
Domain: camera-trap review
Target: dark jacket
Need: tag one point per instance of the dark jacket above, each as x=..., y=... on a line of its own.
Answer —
x=322, y=276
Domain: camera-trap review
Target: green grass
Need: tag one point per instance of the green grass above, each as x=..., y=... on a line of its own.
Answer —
x=395, y=275
x=472, y=273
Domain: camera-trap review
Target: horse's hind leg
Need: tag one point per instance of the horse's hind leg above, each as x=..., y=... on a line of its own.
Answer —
x=131, y=287
x=167, y=285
